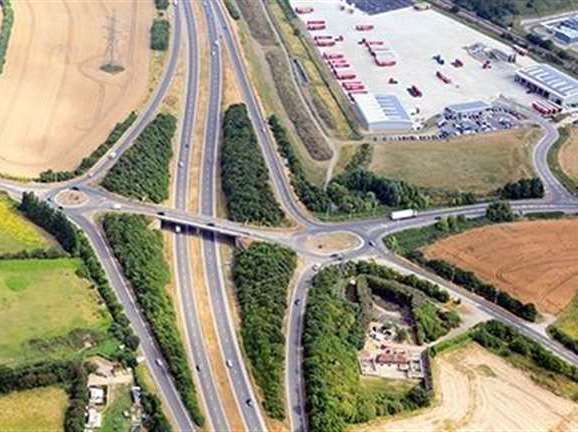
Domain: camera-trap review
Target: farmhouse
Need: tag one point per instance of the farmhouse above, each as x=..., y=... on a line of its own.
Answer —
x=550, y=83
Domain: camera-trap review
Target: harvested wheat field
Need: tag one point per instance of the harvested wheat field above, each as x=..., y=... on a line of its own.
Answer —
x=57, y=105
x=533, y=261
x=479, y=391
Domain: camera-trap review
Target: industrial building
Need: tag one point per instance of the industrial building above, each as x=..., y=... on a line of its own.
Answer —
x=381, y=112
x=565, y=31
x=550, y=83
x=468, y=109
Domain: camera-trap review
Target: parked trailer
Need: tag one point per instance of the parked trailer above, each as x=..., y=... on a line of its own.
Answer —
x=344, y=75
x=373, y=43
x=316, y=27
x=325, y=43
x=303, y=10
x=323, y=37
x=315, y=22
x=349, y=87
x=340, y=65
x=402, y=214
x=442, y=77
x=333, y=56
x=364, y=27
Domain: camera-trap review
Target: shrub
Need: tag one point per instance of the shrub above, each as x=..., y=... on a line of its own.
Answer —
x=160, y=34
x=523, y=189
x=500, y=211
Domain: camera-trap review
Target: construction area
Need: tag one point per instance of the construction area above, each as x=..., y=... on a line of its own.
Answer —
x=390, y=350
x=402, y=65
x=58, y=104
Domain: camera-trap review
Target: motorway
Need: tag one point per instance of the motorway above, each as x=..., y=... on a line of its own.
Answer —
x=371, y=232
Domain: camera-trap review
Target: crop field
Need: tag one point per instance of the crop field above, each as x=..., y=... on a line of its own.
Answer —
x=40, y=409
x=533, y=261
x=52, y=76
x=477, y=390
x=46, y=310
x=479, y=164
x=16, y=232
x=568, y=155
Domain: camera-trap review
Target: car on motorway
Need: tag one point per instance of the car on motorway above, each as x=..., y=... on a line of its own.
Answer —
x=198, y=368
x=211, y=224
x=371, y=243
x=116, y=206
x=159, y=362
x=297, y=302
x=161, y=213
x=181, y=164
x=229, y=364
x=315, y=267
x=249, y=402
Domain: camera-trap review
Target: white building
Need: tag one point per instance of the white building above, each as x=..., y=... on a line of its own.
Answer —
x=380, y=113
x=550, y=83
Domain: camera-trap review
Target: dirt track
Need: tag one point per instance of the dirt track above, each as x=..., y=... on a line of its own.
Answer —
x=57, y=105
x=478, y=391
x=534, y=261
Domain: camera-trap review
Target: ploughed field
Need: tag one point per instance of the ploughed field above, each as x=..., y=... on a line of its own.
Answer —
x=57, y=105
x=479, y=391
x=535, y=261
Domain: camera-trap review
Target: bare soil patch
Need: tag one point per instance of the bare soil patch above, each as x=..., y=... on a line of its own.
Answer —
x=534, y=261
x=479, y=391
x=57, y=105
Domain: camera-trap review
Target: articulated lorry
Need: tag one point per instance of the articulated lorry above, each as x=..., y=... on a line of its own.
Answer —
x=402, y=214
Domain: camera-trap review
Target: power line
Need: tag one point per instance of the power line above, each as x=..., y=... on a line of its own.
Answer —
x=112, y=32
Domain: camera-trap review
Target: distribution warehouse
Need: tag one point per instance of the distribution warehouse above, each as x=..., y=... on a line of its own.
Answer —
x=402, y=65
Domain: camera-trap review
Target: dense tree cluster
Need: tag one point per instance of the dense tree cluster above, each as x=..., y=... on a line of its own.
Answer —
x=88, y=162
x=523, y=189
x=143, y=170
x=155, y=419
x=160, y=34
x=311, y=195
x=498, y=11
x=5, y=30
x=332, y=335
x=262, y=274
x=139, y=251
x=162, y=4
x=245, y=178
x=356, y=190
x=500, y=211
x=505, y=340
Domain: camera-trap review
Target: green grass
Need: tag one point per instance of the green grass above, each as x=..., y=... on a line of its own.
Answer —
x=113, y=418
x=47, y=311
x=568, y=319
x=40, y=409
x=392, y=387
x=17, y=234
x=478, y=164
x=566, y=179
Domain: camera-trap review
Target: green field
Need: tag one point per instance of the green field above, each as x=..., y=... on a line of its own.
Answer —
x=113, y=418
x=478, y=164
x=16, y=232
x=40, y=409
x=46, y=310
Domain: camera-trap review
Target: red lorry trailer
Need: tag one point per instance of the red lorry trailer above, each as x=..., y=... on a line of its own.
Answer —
x=303, y=10
x=364, y=27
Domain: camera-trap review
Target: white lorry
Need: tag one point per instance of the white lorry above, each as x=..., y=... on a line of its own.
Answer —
x=402, y=214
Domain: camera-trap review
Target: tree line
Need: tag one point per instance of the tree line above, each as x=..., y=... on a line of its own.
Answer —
x=262, y=274
x=50, y=176
x=142, y=172
x=139, y=250
x=5, y=30
x=333, y=333
x=504, y=340
x=244, y=175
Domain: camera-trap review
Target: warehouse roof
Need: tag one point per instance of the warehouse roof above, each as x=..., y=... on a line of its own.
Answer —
x=551, y=79
x=381, y=108
x=469, y=107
